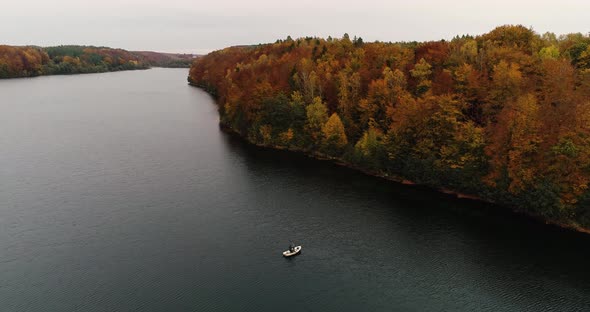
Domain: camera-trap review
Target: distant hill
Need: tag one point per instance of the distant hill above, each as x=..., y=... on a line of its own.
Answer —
x=166, y=59
x=29, y=61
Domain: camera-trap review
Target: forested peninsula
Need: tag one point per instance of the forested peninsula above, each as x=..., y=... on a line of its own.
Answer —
x=503, y=116
x=30, y=61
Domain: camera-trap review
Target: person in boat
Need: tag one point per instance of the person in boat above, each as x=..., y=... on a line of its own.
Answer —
x=291, y=248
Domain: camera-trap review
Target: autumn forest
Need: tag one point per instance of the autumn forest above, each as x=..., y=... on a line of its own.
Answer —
x=29, y=61
x=504, y=116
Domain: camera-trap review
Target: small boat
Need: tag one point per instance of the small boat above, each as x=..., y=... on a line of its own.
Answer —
x=292, y=251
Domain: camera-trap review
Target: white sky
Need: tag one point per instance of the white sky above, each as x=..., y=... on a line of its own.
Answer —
x=196, y=26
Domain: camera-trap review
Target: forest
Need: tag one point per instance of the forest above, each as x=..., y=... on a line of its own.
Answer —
x=170, y=60
x=30, y=61
x=503, y=116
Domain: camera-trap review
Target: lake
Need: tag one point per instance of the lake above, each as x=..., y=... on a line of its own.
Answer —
x=119, y=192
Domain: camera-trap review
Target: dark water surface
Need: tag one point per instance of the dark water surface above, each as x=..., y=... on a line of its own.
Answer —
x=118, y=192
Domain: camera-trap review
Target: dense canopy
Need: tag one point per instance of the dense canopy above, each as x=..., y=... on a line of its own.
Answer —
x=504, y=116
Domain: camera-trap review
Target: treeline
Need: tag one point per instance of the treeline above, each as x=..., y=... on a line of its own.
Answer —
x=504, y=115
x=63, y=60
x=21, y=61
x=170, y=60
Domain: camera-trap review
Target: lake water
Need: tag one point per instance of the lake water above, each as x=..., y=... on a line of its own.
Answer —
x=118, y=192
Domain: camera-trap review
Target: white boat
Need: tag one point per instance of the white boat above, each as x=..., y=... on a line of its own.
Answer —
x=289, y=253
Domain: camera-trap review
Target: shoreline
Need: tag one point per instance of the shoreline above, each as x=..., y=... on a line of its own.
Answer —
x=397, y=179
x=73, y=74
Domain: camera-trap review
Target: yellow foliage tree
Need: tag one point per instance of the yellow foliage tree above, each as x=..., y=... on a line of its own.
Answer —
x=334, y=134
x=317, y=114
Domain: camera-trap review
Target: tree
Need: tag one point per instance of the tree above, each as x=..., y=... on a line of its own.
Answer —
x=370, y=150
x=506, y=82
x=515, y=143
x=550, y=52
x=349, y=94
x=317, y=115
x=334, y=136
x=469, y=51
x=421, y=73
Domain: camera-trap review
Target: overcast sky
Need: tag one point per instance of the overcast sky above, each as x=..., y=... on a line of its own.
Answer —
x=201, y=26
